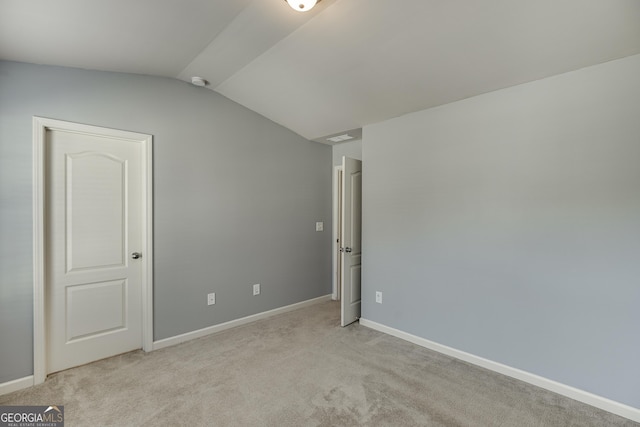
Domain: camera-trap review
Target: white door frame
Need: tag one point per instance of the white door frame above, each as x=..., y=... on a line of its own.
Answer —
x=40, y=127
x=337, y=170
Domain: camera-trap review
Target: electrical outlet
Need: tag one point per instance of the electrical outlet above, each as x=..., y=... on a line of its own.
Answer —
x=256, y=289
x=319, y=226
x=211, y=298
x=379, y=297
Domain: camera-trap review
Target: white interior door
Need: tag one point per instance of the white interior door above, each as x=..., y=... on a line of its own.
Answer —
x=93, y=226
x=351, y=248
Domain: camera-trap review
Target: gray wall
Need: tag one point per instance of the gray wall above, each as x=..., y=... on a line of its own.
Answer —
x=508, y=226
x=351, y=149
x=236, y=199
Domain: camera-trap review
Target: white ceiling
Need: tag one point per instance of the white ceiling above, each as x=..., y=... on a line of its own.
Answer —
x=345, y=64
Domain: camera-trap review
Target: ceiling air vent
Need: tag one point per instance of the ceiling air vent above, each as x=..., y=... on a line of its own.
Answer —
x=340, y=138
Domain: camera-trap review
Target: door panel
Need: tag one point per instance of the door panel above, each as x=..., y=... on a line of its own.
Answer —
x=354, y=273
x=94, y=220
x=96, y=308
x=352, y=240
x=95, y=211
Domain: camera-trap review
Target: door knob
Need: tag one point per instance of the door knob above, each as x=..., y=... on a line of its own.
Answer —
x=136, y=255
x=347, y=250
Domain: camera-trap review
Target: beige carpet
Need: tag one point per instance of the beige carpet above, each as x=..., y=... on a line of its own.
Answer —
x=300, y=369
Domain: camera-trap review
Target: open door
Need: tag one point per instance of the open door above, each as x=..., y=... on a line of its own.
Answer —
x=351, y=247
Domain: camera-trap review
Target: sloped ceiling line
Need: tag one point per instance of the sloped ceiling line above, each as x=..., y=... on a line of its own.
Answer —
x=343, y=65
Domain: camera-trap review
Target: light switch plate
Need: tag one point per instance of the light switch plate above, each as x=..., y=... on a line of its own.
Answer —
x=320, y=226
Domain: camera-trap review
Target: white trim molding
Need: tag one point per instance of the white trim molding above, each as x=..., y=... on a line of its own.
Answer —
x=40, y=127
x=168, y=342
x=554, y=386
x=147, y=269
x=15, y=385
x=39, y=350
x=335, y=224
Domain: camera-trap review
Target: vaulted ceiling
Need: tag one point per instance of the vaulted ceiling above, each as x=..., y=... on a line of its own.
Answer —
x=343, y=65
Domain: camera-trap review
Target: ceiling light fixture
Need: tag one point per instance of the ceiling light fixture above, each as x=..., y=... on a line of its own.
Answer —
x=302, y=5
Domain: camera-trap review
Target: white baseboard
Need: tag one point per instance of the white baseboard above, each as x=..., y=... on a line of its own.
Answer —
x=15, y=385
x=554, y=386
x=167, y=342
